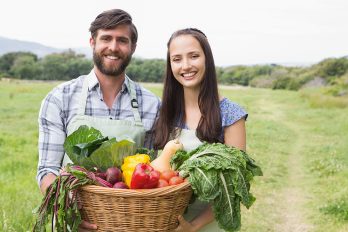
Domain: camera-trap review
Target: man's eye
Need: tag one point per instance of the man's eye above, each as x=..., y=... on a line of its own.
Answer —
x=124, y=41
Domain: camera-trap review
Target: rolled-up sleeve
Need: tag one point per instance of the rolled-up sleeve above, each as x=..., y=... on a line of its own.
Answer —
x=52, y=135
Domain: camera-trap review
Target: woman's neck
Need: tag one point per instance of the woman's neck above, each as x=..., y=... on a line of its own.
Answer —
x=192, y=111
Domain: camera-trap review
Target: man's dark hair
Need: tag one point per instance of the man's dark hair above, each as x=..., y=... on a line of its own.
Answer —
x=112, y=18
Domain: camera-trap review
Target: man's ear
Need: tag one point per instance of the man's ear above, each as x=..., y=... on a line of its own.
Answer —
x=92, y=42
x=134, y=46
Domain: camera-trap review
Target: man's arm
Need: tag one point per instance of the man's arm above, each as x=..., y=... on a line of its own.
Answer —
x=51, y=139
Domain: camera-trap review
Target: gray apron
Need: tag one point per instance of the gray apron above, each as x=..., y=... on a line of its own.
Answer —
x=190, y=141
x=121, y=129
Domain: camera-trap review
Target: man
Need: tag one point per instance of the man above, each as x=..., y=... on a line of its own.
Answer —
x=105, y=98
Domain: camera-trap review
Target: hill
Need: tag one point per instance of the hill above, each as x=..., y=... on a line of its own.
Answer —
x=12, y=45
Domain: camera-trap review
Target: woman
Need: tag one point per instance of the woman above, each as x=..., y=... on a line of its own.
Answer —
x=193, y=111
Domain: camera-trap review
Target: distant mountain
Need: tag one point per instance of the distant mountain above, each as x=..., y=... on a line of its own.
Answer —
x=12, y=45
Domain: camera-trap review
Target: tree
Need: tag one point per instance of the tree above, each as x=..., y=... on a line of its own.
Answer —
x=8, y=59
x=25, y=67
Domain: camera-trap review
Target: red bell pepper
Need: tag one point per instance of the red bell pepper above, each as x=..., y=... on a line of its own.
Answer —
x=144, y=177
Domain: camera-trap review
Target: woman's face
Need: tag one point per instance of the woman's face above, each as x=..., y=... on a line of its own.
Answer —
x=187, y=60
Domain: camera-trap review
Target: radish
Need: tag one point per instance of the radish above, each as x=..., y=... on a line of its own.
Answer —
x=113, y=175
x=120, y=185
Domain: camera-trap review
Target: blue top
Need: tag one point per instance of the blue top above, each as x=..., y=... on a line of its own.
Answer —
x=230, y=113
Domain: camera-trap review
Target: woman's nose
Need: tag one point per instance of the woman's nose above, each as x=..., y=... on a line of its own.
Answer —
x=186, y=64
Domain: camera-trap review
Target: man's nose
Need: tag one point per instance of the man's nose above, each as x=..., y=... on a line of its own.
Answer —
x=113, y=45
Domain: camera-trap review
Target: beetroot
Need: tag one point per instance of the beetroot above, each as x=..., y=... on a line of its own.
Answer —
x=101, y=175
x=113, y=175
x=120, y=185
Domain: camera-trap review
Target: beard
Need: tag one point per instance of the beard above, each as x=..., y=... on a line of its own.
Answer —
x=114, y=70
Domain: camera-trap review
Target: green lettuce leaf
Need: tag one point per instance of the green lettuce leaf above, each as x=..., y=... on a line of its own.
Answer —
x=88, y=148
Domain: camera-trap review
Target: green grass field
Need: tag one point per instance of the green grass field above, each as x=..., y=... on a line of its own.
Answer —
x=303, y=152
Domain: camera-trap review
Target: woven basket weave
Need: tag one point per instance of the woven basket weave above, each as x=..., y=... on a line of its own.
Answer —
x=134, y=210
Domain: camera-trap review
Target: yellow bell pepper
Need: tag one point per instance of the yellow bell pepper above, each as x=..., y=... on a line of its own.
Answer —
x=129, y=164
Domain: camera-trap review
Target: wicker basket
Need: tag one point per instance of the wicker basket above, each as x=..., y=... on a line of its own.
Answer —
x=134, y=210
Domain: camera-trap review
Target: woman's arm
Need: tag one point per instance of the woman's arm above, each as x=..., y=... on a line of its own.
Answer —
x=196, y=224
x=235, y=134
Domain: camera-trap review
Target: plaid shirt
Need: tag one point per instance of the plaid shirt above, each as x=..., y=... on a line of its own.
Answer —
x=61, y=105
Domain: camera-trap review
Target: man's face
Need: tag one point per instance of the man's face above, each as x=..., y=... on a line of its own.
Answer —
x=112, y=50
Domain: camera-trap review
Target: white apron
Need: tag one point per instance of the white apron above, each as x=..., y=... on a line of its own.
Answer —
x=190, y=141
x=121, y=129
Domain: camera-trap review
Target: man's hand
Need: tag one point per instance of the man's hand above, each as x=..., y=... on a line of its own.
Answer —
x=86, y=226
x=46, y=182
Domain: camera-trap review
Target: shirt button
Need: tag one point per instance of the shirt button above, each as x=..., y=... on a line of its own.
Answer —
x=110, y=118
x=101, y=99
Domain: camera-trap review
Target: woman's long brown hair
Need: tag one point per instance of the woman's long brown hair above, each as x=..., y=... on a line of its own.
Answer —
x=172, y=112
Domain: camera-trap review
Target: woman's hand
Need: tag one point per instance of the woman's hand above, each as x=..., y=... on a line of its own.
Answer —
x=184, y=226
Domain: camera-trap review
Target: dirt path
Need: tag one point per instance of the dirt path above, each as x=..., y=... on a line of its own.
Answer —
x=293, y=196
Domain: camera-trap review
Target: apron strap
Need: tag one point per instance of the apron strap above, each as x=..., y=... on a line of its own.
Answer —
x=83, y=97
x=134, y=103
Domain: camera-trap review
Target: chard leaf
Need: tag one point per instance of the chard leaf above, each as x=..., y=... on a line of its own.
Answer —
x=204, y=184
x=178, y=159
x=220, y=175
x=226, y=206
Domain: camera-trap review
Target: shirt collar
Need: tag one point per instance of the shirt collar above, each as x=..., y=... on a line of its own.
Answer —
x=94, y=83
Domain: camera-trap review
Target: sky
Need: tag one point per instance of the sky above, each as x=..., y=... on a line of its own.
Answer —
x=242, y=32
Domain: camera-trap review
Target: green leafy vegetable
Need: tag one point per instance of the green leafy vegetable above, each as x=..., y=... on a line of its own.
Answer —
x=87, y=147
x=220, y=175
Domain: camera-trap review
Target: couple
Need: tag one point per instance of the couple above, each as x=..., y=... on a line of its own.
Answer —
x=109, y=101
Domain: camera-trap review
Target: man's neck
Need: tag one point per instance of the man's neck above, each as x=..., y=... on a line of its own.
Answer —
x=110, y=86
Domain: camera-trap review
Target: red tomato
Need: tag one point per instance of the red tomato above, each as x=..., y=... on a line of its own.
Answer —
x=175, y=180
x=168, y=174
x=162, y=183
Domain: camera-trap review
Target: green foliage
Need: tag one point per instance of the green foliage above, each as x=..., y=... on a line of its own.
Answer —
x=60, y=66
x=64, y=66
x=9, y=59
x=339, y=87
x=337, y=208
x=242, y=75
x=150, y=70
x=25, y=67
x=332, y=67
x=68, y=65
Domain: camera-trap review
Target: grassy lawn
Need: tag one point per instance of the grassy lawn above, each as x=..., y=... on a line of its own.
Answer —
x=302, y=151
